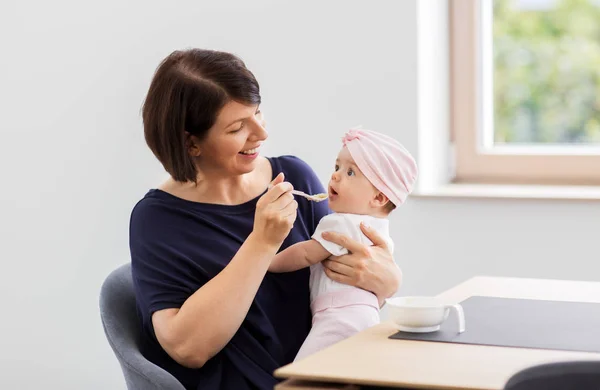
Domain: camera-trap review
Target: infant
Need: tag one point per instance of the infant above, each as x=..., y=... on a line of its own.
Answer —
x=373, y=175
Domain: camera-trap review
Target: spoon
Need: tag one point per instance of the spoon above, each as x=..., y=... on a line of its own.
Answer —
x=315, y=198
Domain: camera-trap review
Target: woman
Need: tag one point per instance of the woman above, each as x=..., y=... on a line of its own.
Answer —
x=201, y=243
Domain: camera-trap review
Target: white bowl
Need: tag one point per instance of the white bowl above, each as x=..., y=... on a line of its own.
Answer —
x=421, y=314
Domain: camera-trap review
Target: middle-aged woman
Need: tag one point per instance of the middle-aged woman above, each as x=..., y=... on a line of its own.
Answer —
x=202, y=241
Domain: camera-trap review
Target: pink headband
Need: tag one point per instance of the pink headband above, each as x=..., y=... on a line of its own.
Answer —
x=384, y=161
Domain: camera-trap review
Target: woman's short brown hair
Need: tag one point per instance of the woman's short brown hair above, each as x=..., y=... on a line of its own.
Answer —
x=189, y=89
x=389, y=207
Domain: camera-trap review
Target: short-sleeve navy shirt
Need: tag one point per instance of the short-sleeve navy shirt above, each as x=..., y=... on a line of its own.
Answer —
x=177, y=246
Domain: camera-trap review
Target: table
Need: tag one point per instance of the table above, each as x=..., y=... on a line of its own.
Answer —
x=370, y=358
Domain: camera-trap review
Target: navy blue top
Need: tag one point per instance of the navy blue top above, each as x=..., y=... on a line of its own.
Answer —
x=178, y=245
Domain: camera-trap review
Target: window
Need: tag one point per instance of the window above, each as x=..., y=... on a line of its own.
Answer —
x=525, y=91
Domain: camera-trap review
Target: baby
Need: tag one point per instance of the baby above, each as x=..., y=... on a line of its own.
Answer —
x=373, y=174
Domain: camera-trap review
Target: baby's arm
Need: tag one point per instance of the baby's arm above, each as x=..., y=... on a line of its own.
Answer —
x=300, y=255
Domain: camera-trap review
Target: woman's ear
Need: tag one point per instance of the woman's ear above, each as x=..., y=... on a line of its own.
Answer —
x=379, y=200
x=193, y=145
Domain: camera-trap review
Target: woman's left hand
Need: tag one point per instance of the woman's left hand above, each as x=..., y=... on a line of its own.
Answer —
x=371, y=268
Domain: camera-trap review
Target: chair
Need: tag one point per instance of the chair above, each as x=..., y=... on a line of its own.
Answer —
x=122, y=329
x=575, y=375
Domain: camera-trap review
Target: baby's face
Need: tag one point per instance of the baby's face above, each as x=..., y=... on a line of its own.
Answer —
x=349, y=190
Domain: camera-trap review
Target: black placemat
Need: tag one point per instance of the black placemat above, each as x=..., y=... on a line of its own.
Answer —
x=525, y=323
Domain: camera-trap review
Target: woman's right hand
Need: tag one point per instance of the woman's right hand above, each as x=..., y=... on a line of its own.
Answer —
x=275, y=212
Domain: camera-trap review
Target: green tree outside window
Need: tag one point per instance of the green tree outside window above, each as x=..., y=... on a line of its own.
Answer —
x=546, y=72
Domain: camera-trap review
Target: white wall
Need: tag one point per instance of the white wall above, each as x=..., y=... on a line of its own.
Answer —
x=72, y=79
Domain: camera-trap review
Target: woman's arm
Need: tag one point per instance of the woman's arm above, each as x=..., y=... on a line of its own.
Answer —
x=371, y=268
x=208, y=319
x=300, y=255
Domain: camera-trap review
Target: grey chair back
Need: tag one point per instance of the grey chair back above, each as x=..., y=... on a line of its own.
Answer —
x=575, y=375
x=122, y=329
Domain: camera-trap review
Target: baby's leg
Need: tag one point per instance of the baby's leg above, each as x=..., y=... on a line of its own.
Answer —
x=335, y=324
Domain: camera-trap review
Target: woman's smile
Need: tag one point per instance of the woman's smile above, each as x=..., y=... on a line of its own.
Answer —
x=250, y=153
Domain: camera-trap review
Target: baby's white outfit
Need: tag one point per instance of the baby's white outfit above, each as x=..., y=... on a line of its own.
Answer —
x=339, y=310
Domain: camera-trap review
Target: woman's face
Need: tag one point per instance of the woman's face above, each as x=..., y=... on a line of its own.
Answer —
x=232, y=144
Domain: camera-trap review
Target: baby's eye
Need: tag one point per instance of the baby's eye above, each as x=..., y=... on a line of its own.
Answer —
x=350, y=172
x=337, y=168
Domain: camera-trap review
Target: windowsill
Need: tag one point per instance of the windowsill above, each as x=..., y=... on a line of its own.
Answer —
x=492, y=191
